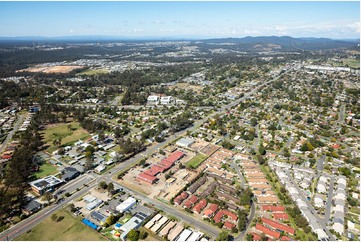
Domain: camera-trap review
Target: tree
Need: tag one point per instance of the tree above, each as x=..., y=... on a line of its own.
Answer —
x=57, y=142
x=103, y=185
x=48, y=196
x=143, y=234
x=111, y=220
x=254, y=122
x=242, y=218
x=54, y=217
x=261, y=149
x=133, y=235
x=110, y=187
x=223, y=236
x=249, y=237
x=264, y=237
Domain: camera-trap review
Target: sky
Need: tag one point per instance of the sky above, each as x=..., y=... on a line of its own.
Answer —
x=181, y=19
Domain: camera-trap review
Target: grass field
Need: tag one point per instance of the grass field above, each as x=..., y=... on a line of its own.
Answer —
x=62, y=131
x=196, y=161
x=351, y=63
x=45, y=169
x=92, y=72
x=70, y=228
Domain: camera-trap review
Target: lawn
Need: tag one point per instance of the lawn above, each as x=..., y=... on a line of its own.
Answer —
x=70, y=228
x=45, y=169
x=62, y=131
x=196, y=161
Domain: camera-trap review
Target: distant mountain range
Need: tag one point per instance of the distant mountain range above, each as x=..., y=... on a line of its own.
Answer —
x=260, y=39
x=282, y=43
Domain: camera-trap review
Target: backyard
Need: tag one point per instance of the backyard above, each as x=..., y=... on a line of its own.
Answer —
x=45, y=169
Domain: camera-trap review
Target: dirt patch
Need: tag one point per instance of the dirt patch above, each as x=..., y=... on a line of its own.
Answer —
x=51, y=69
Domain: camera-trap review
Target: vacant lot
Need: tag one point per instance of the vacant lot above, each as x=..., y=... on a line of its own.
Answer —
x=196, y=161
x=45, y=169
x=70, y=228
x=67, y=132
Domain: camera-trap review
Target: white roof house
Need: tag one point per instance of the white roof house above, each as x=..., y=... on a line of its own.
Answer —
x=323, y=178
x=166, y=100
x=339, y=208
x=126, y=205
x=321, y=187
x=99, y=168
x=338, y=227
x=318, y=201
x=153, y=98
x=184, y=235
x=340, y=196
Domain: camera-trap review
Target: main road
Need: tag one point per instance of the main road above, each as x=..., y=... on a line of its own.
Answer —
x=32, y=221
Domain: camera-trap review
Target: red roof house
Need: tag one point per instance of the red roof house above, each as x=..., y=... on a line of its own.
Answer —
x=256, y=237
x=285, y=238
x=180, y=198
x=228, y=225
x=267, y=231
x=190, y=202
x=198, y=208
x=210, y=211
x=280, y=216
x=223, y=212
x=278, y=226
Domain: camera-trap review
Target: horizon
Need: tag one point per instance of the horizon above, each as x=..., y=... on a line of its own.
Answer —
x=196, y=20
x=152, y=38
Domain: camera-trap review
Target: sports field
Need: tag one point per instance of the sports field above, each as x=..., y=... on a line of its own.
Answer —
x=70, y=228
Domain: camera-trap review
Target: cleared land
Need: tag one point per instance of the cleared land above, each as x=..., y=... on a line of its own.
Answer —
x=196, y=161
x=187, y=86
x=69, y=229
x=45, y=169
x=62, y=131
x=51, y=69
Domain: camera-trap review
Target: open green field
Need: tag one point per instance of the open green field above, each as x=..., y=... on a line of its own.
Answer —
x=92, y=72
x=68, y=136
x=351, y=63
x=196, y=161
x=45, y=169
x=70, y=228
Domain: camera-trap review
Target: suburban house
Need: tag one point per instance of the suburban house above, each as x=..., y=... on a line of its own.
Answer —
x=32, y=207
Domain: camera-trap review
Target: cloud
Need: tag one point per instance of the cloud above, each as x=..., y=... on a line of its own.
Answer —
x=180, y=21
x=138, y=30
x=355, y=26
x=157, y=22
x=166, y=30
x=71, y=31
